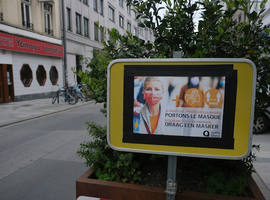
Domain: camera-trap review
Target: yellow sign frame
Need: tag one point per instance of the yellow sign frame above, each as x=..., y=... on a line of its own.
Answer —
x=244, y=110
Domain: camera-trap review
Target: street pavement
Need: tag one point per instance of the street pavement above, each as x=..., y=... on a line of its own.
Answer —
x=15, y=112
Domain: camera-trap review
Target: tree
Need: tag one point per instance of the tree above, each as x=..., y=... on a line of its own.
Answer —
x=218, y=35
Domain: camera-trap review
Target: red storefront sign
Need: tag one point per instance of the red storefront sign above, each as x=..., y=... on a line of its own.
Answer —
x=14, y=43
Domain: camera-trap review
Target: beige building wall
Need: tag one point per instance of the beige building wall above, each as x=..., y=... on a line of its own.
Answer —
x=12, y=16
x=80, y=45
x=12, y=25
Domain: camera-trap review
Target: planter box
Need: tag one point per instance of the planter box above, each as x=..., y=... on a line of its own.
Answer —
x=86, y=186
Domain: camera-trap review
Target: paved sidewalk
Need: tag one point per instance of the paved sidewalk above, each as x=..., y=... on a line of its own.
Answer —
x=15, y=112
x=262, y=163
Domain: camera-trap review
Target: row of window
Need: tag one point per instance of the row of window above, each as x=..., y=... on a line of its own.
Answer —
x=85, y=2
x=27, y=20
x=96, y=31
x=27, y=75
x=121, y=24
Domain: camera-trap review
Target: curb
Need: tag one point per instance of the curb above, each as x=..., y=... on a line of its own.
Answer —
x=90, y=198
x=264, y=189
x=43, y=115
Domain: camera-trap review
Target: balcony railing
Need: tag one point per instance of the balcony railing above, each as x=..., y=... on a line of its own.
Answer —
x=49, y=31
x=1, y=16
x=28, y=25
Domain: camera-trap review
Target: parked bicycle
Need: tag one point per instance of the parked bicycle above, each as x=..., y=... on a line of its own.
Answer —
x=64, y=94
x=86, y=92
x=77, y=91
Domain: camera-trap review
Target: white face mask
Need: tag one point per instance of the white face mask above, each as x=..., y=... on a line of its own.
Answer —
x=195, y=80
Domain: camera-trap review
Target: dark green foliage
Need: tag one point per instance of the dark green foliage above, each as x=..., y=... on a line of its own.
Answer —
x=227, y=177
x=217, y=36
x=218, y=184
x=96, y=78
x=127, y=46
x=108, y=164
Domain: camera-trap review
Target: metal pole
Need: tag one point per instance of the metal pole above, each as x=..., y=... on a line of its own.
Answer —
x=172, y=160
x=171, y=178
x=64, y=43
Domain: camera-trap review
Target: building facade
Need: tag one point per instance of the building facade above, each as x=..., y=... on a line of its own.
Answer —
x=266, y=13
x=83, y=36
x=32, y=39
x=31, y=49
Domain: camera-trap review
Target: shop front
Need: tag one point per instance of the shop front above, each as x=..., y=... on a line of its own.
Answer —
x=29, y=69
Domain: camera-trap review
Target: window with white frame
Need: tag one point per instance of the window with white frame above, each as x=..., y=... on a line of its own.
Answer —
x=135, y=31
x=134, y=14
x=146, y=34
x=101, y=7
x=95, y=5
x=69, y=19
x=86, y=27
x=78, y=24
x=111, y=13
x=96, y=31
x=128, y=9
x=121, y=3
x=121, y=21
x=48, y=18
x=140, y=28
x=129, y=27
x=26, y=14
x=101, y=33
x=85, y=2
x=239, y=18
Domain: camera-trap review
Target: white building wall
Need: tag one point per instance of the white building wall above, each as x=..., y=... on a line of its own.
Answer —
x=18, y=59
x=79, y=45
x=12, y=24
x=5, y=57
x=266, y=14
x=71, y=63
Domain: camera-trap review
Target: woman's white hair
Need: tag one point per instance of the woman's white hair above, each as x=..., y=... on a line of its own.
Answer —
x=153, y=78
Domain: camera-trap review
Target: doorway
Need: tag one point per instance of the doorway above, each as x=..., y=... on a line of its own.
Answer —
x=78, y=68
x=6, y=83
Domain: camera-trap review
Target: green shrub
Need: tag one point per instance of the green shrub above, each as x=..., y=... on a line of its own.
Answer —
x=108, y=164
x=218, y=36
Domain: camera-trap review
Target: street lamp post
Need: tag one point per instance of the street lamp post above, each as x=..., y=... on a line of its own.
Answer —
x=64, y=44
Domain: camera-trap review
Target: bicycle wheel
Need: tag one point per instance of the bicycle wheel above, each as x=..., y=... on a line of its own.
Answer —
x=55, y=97
x=73, y=100
x=87, y=93
x=81, y=96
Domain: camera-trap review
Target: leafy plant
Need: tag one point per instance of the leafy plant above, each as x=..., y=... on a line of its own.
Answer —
x=218, y=184
x=108, y=164
x=95, y=78
x=228, y=177
x=217, y=36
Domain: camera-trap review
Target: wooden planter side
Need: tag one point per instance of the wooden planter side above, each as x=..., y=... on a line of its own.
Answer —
x=86, y=186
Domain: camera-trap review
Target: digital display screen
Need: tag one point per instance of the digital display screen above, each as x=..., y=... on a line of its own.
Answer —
x=180, y=105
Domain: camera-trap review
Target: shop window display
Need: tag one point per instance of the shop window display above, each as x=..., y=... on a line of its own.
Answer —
x=41, y=75
x=26, y=75
x=53, y=75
